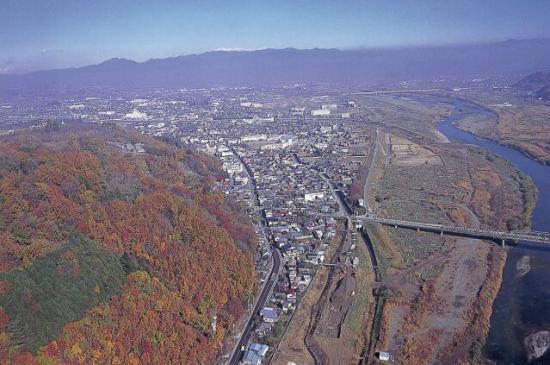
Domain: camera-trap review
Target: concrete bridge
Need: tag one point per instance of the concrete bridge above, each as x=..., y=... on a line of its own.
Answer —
x=530, y=236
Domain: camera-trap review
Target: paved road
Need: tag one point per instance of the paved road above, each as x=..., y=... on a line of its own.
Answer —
x=270, y=282
x=345, y=209
x=268, y=288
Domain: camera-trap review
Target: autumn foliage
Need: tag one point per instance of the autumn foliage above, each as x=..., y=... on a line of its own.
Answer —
x=185, y=247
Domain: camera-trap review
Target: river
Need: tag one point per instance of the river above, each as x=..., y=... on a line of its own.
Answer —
x=522, y=305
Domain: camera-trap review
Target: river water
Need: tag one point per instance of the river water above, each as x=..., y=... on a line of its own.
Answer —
x=522, y=305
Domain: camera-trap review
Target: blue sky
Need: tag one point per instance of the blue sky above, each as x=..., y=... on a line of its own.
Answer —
x=38, y=34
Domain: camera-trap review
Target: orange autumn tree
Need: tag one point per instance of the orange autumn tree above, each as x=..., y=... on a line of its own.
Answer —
x=186, y=249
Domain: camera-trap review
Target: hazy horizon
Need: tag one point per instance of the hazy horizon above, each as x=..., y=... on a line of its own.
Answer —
x=366, y=49
x=37, y=35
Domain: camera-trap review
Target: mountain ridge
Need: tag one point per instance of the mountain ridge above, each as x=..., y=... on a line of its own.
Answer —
x=272, y=67
x=537, y=83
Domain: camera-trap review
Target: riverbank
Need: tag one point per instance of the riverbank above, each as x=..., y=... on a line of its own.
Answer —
x=528, y=189
x=516, y=123
x=476, y=178
x=522, y=305
x=439, y=288
x=433, y=313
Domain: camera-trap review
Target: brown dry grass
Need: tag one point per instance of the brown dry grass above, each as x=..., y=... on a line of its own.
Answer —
x=523, y=125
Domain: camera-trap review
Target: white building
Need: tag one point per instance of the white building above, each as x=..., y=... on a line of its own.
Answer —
x=308, y=197
x=254, y=137
x=326, y=129
x=320, y=112
x=329, y=106
x=136, y=115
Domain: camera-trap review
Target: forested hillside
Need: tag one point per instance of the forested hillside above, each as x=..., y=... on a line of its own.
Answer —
x=115, y=248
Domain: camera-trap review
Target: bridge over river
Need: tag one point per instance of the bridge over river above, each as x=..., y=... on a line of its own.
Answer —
x=513, y=236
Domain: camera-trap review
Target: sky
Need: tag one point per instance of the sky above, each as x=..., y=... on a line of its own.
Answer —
x=43, y=34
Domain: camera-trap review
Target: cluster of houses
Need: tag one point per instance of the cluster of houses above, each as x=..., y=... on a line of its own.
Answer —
x=277, y=169
x=279, y=149
x=275, y=155
x=297, y=208
x=275, y=158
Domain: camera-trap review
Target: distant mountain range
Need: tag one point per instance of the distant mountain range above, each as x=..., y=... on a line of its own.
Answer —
x=537, y=83
x=278, y=67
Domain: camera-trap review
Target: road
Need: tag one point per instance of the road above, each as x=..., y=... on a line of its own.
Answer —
x=345, y=210
x=266, y=293
x=269, y=283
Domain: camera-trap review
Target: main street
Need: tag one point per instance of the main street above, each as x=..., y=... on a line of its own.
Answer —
x=266, y=293
x=269, y=283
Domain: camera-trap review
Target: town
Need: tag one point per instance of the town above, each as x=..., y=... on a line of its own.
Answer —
x=294, y=161
x=310, y=167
